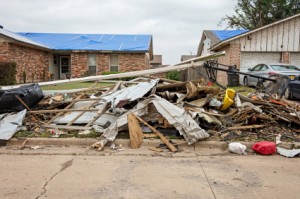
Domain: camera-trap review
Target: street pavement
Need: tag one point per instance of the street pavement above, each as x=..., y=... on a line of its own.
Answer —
x=79, y=172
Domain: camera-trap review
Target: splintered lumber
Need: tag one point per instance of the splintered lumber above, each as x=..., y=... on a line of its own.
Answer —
x=164, y=140
x=135, y=131
x=62, y=111
x=67, y=107
x=118, y=84
x=67, y=127
x=99, y=114
x=155, y=149
x=23, y=103
x=244, y=127
x=80, y=114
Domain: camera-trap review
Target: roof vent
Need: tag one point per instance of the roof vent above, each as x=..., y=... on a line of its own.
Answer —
x=1, y=26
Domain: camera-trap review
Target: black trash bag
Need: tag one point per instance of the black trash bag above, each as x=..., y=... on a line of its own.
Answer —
x=29, y=94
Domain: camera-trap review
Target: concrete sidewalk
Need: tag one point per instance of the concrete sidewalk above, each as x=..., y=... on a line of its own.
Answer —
x=78, y=172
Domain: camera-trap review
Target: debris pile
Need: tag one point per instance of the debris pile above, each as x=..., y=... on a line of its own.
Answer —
x=193, y=110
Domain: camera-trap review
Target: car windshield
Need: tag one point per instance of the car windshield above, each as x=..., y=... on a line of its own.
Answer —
x=284, y=67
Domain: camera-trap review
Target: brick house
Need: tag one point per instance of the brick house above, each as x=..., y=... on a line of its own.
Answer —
x=278, y=42
x=55, y=55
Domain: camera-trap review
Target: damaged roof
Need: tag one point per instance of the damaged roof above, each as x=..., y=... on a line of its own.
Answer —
x=99, y=42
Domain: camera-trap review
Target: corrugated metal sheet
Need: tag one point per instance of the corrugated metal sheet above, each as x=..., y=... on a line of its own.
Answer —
x=103, y=42
x=20, y=38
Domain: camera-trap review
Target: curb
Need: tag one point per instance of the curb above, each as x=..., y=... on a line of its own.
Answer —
x=126, y=142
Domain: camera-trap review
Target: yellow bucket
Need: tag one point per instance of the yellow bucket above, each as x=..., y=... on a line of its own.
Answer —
x=228, y=99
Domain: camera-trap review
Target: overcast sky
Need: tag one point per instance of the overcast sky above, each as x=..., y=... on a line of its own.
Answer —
x=176, y=25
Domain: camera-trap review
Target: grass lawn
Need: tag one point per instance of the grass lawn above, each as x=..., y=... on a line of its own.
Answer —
x=74, y=85
x=243, y=89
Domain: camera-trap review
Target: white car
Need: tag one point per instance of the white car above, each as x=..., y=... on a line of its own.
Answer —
x=269, y=70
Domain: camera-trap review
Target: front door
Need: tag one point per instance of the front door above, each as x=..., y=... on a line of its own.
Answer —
x=65, y=67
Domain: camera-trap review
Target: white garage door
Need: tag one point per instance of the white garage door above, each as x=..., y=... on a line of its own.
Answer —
x=250, y=59
x=295, y=59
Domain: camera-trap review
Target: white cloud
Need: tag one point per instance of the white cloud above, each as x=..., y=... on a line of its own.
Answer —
x=176, y=25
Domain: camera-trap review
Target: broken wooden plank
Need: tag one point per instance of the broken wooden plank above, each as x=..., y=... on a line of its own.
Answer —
x=67, y=107
x=244, y=127
x=155, y=149
x=135, y=131
x=67, y=127
x=61, y=111
x=161, y=136
x=99, y=113
x=80, y=114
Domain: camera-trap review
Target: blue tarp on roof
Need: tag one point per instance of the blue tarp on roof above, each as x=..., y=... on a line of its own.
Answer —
x=102, y=42
x=226, y=34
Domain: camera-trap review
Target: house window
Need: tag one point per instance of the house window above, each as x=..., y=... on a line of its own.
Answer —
x=92, y=70
x=114, y=63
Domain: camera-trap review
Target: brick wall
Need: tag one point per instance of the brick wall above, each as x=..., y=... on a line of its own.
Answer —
x=232, y=57
x=132, y=62
x=4, y=51
x=285, y=57
x=102, y=63
x=78, y=64
x=127, y=62
x=30, y=60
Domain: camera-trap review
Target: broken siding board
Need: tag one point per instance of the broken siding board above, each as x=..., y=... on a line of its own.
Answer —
x=296, y=34
x=264, y=39
x=285, y=36
x=269, y=39
x=163, y=139
x=135, y=132
x=291, y=33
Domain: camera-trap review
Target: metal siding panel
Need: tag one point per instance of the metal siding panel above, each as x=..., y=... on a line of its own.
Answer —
x=285, y=41
x=269, y=39
x=280, y=37
x=264, y=39
x=296, y=34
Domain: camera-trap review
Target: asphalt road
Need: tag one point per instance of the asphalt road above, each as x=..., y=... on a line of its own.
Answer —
x=77, y=172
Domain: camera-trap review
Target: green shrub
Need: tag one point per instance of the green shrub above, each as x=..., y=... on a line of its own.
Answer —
x=174, y=75
x=8, y=71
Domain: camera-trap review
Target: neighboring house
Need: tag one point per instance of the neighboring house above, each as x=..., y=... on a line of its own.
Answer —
x=188, y=74
x=77, y=54
x=156, y=62
x=273, y=43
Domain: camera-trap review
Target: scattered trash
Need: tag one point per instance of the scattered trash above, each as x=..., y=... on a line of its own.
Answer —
x=238, y=148
x=264, y=148
x=289, y=153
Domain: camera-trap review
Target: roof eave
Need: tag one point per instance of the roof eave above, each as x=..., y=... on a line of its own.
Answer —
x=217, y=46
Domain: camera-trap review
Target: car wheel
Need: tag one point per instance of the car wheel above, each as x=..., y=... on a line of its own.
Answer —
x=246, y=83
x=287, y=94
